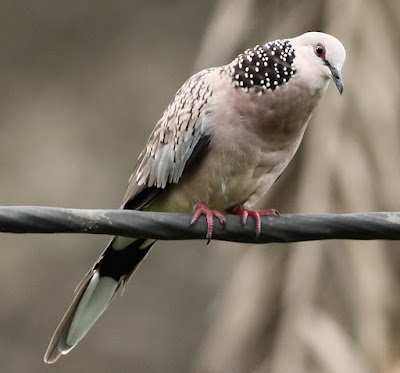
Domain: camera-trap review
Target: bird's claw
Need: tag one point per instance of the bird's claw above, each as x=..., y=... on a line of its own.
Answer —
x=202, y=209
x=256, y=214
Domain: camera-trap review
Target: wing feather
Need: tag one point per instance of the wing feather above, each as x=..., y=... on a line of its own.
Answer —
x=173, y=141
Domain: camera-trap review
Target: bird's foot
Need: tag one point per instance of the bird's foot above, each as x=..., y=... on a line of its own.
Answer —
x=256, y=214
x=202, y=209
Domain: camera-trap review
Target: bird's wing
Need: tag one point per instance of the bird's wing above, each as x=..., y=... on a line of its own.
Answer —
x=180, y=138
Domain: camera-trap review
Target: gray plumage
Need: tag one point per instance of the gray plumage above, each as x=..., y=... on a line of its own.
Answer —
x=223, y=141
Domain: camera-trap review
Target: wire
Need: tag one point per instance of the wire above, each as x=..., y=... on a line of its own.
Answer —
x=170, y=226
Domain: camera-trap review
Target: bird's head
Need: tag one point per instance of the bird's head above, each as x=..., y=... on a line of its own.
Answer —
x=321, y=56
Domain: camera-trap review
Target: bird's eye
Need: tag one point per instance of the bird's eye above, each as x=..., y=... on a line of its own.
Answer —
x=320, y=51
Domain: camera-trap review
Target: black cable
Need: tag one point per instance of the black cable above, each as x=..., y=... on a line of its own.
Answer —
x=169, y=226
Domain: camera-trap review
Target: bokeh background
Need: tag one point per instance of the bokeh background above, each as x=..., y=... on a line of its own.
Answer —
x=82, y=83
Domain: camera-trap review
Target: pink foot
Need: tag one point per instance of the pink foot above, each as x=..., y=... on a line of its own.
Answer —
x=202, y=209
x=245, y=213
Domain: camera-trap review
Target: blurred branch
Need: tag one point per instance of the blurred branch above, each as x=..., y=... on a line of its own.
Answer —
x=168, y=226
x=223, y=35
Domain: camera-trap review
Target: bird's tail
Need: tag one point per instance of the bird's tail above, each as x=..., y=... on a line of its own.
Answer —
x=95, y=292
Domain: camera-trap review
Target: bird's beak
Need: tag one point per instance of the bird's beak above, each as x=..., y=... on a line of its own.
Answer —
x=337, y=78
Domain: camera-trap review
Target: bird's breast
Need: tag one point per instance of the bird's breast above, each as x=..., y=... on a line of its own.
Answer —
x=252, y=139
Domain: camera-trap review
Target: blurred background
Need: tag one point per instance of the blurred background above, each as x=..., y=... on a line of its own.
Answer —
x=82, y=85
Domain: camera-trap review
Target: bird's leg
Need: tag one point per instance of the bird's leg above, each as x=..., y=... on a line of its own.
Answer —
x=256, y=214
x=202, y=209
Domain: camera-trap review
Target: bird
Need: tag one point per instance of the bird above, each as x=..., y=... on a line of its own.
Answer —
x=222, y=142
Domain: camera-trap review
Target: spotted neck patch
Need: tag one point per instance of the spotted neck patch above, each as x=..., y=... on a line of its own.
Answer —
x=264, y=67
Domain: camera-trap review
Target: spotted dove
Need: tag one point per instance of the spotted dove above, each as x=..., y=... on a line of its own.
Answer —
x=222, y=142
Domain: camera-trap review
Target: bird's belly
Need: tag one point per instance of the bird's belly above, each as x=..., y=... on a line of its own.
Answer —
x=222, y=184
x=236, y=188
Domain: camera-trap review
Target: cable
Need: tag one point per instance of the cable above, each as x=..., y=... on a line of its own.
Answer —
x=169, y=226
